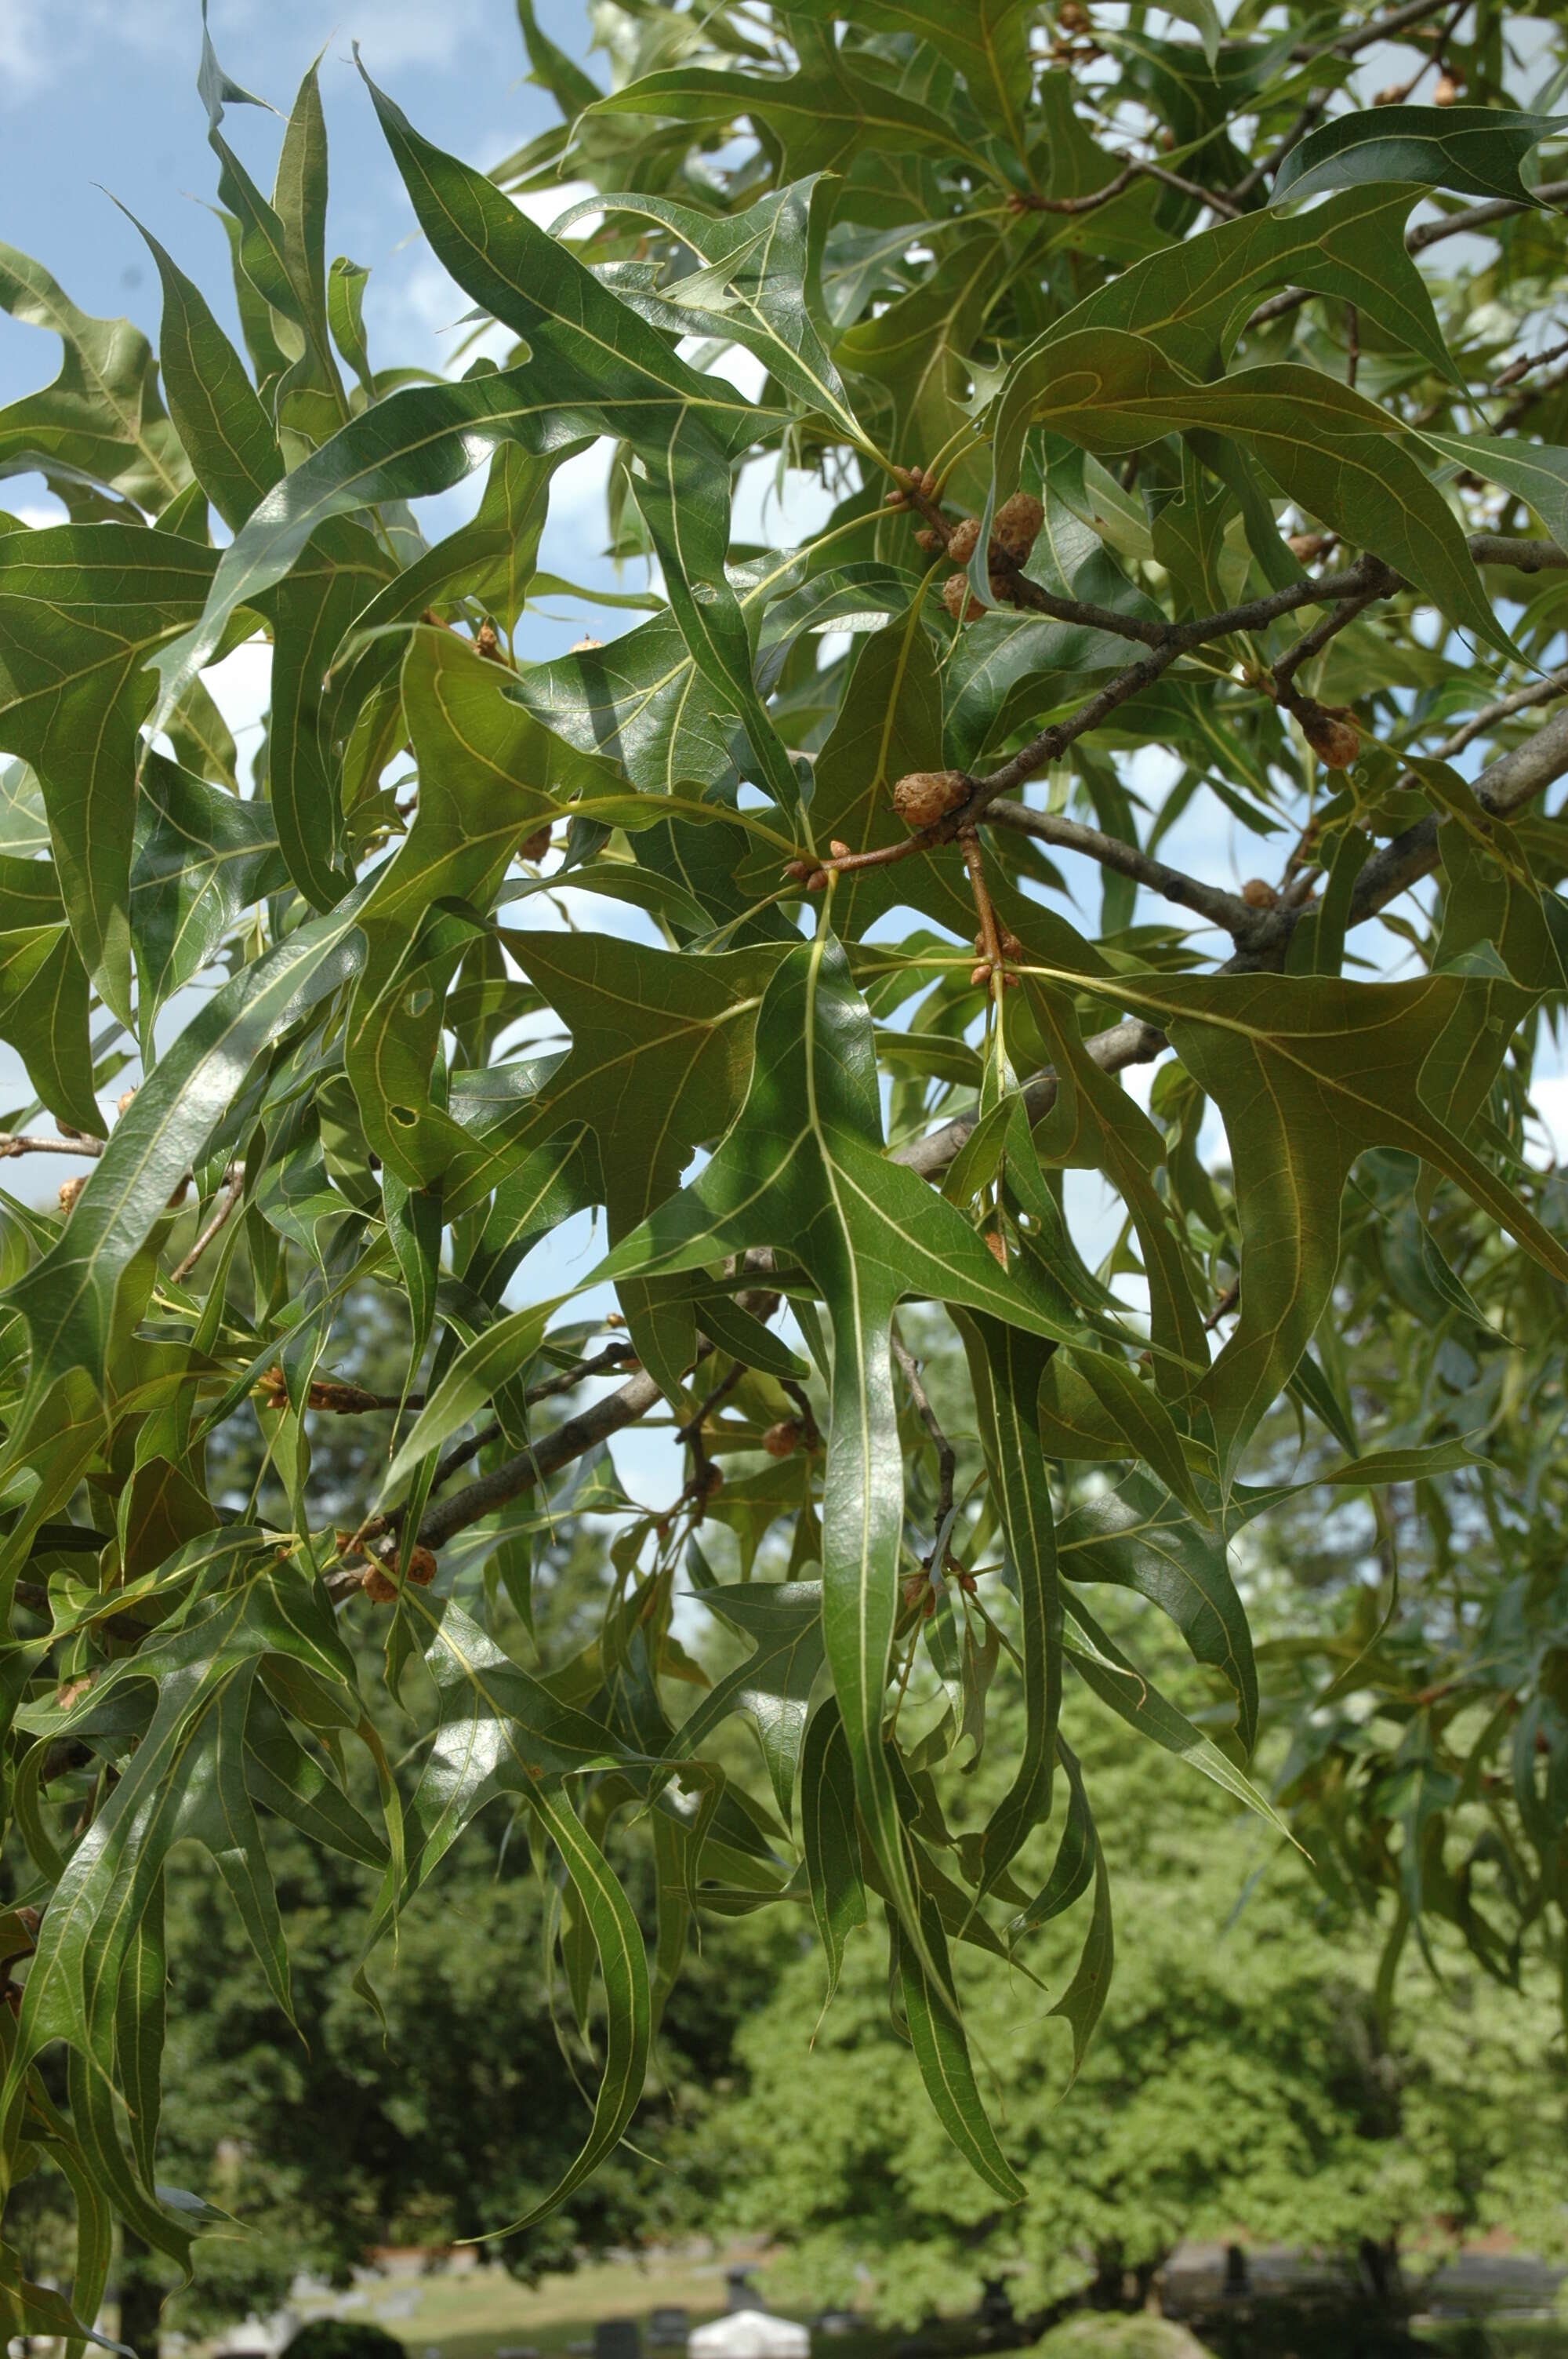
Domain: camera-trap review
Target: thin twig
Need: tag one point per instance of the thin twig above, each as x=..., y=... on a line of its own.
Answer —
x=234, y=1187
x=988, y=941
x=1540, y=691
x=1225, y=206
x=1313, y=642
x=1475, y=217
x=1517, y=370
x=1225, y=910
x=17, y=1142
x=1379, y=28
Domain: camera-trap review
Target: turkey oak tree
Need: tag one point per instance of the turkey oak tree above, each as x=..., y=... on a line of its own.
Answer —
x=1174, y=437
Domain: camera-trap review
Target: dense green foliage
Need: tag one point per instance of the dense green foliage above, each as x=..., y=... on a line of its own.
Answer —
x=1241, y=2080
x=1254, y=526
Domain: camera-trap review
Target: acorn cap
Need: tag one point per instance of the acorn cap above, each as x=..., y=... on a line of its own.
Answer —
x=963, y=541
x=1016, y=526
x=959, y=601
x=922, y=797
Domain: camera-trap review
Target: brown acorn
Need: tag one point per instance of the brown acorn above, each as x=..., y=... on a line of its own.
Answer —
x=959, y=602
x=1445, y=94
x=69, y=1190
x=1017, y=525
x=421, y=1568
x=1306, y=545
x=378, y=1585
x=1072, y=18
x=963, y=541
x=534, y=846
x=1330, y=733
x=1260, y=895
x=922, y=797
x=783, y=1439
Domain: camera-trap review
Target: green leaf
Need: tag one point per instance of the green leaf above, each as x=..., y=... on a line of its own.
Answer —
x=101, y=421
x=43, y=992
x=83, y=607
x=1136, y=1536
x=803, y=1170
x=757, y=286
x=818, y=115
x=772, y=1686
x=988, y=44
x=223, y=429
x=830, y=1836
x=1005, y=1369
x=941, y=2052
x=1476, y=150
x=1338, y=454
x=201, y=859
x=67, y=1296
x=594, y=358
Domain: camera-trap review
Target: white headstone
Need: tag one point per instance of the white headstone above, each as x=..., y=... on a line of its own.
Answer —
x=750, y=2335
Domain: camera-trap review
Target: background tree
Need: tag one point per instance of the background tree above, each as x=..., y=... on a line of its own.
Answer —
x=1175, y=449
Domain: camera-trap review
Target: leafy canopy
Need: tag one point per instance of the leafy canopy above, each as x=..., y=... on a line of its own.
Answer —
x=1175, y=438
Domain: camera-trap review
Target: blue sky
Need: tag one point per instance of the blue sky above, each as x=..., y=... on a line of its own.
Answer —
x=101, y=95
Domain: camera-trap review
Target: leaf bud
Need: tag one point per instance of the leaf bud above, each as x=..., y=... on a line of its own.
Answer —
x=959, y=602
x=800, y=872
x=68, y=1129
x=996, y=1248
x=839, y=849
x=783, y=1439
x=929, y=539
x=378, y=1584
x=922, y=797
x=69, y=1190
x=1445, y=94
x=124, y=1103
x=584, y=646
x=421, y=1568
x=487, y=642
x=1072, y=18
x=980, y=974
x=1307, y=546
x=1012, y=948
x=534, y=846
x=1260, y=895
x=1017, y=525
x=963, y=541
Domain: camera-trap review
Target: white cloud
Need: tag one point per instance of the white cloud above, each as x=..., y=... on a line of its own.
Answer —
x=24, y=55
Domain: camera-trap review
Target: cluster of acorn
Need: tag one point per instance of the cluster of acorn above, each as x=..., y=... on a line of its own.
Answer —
x=380, y=1585
x=1016, y=528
